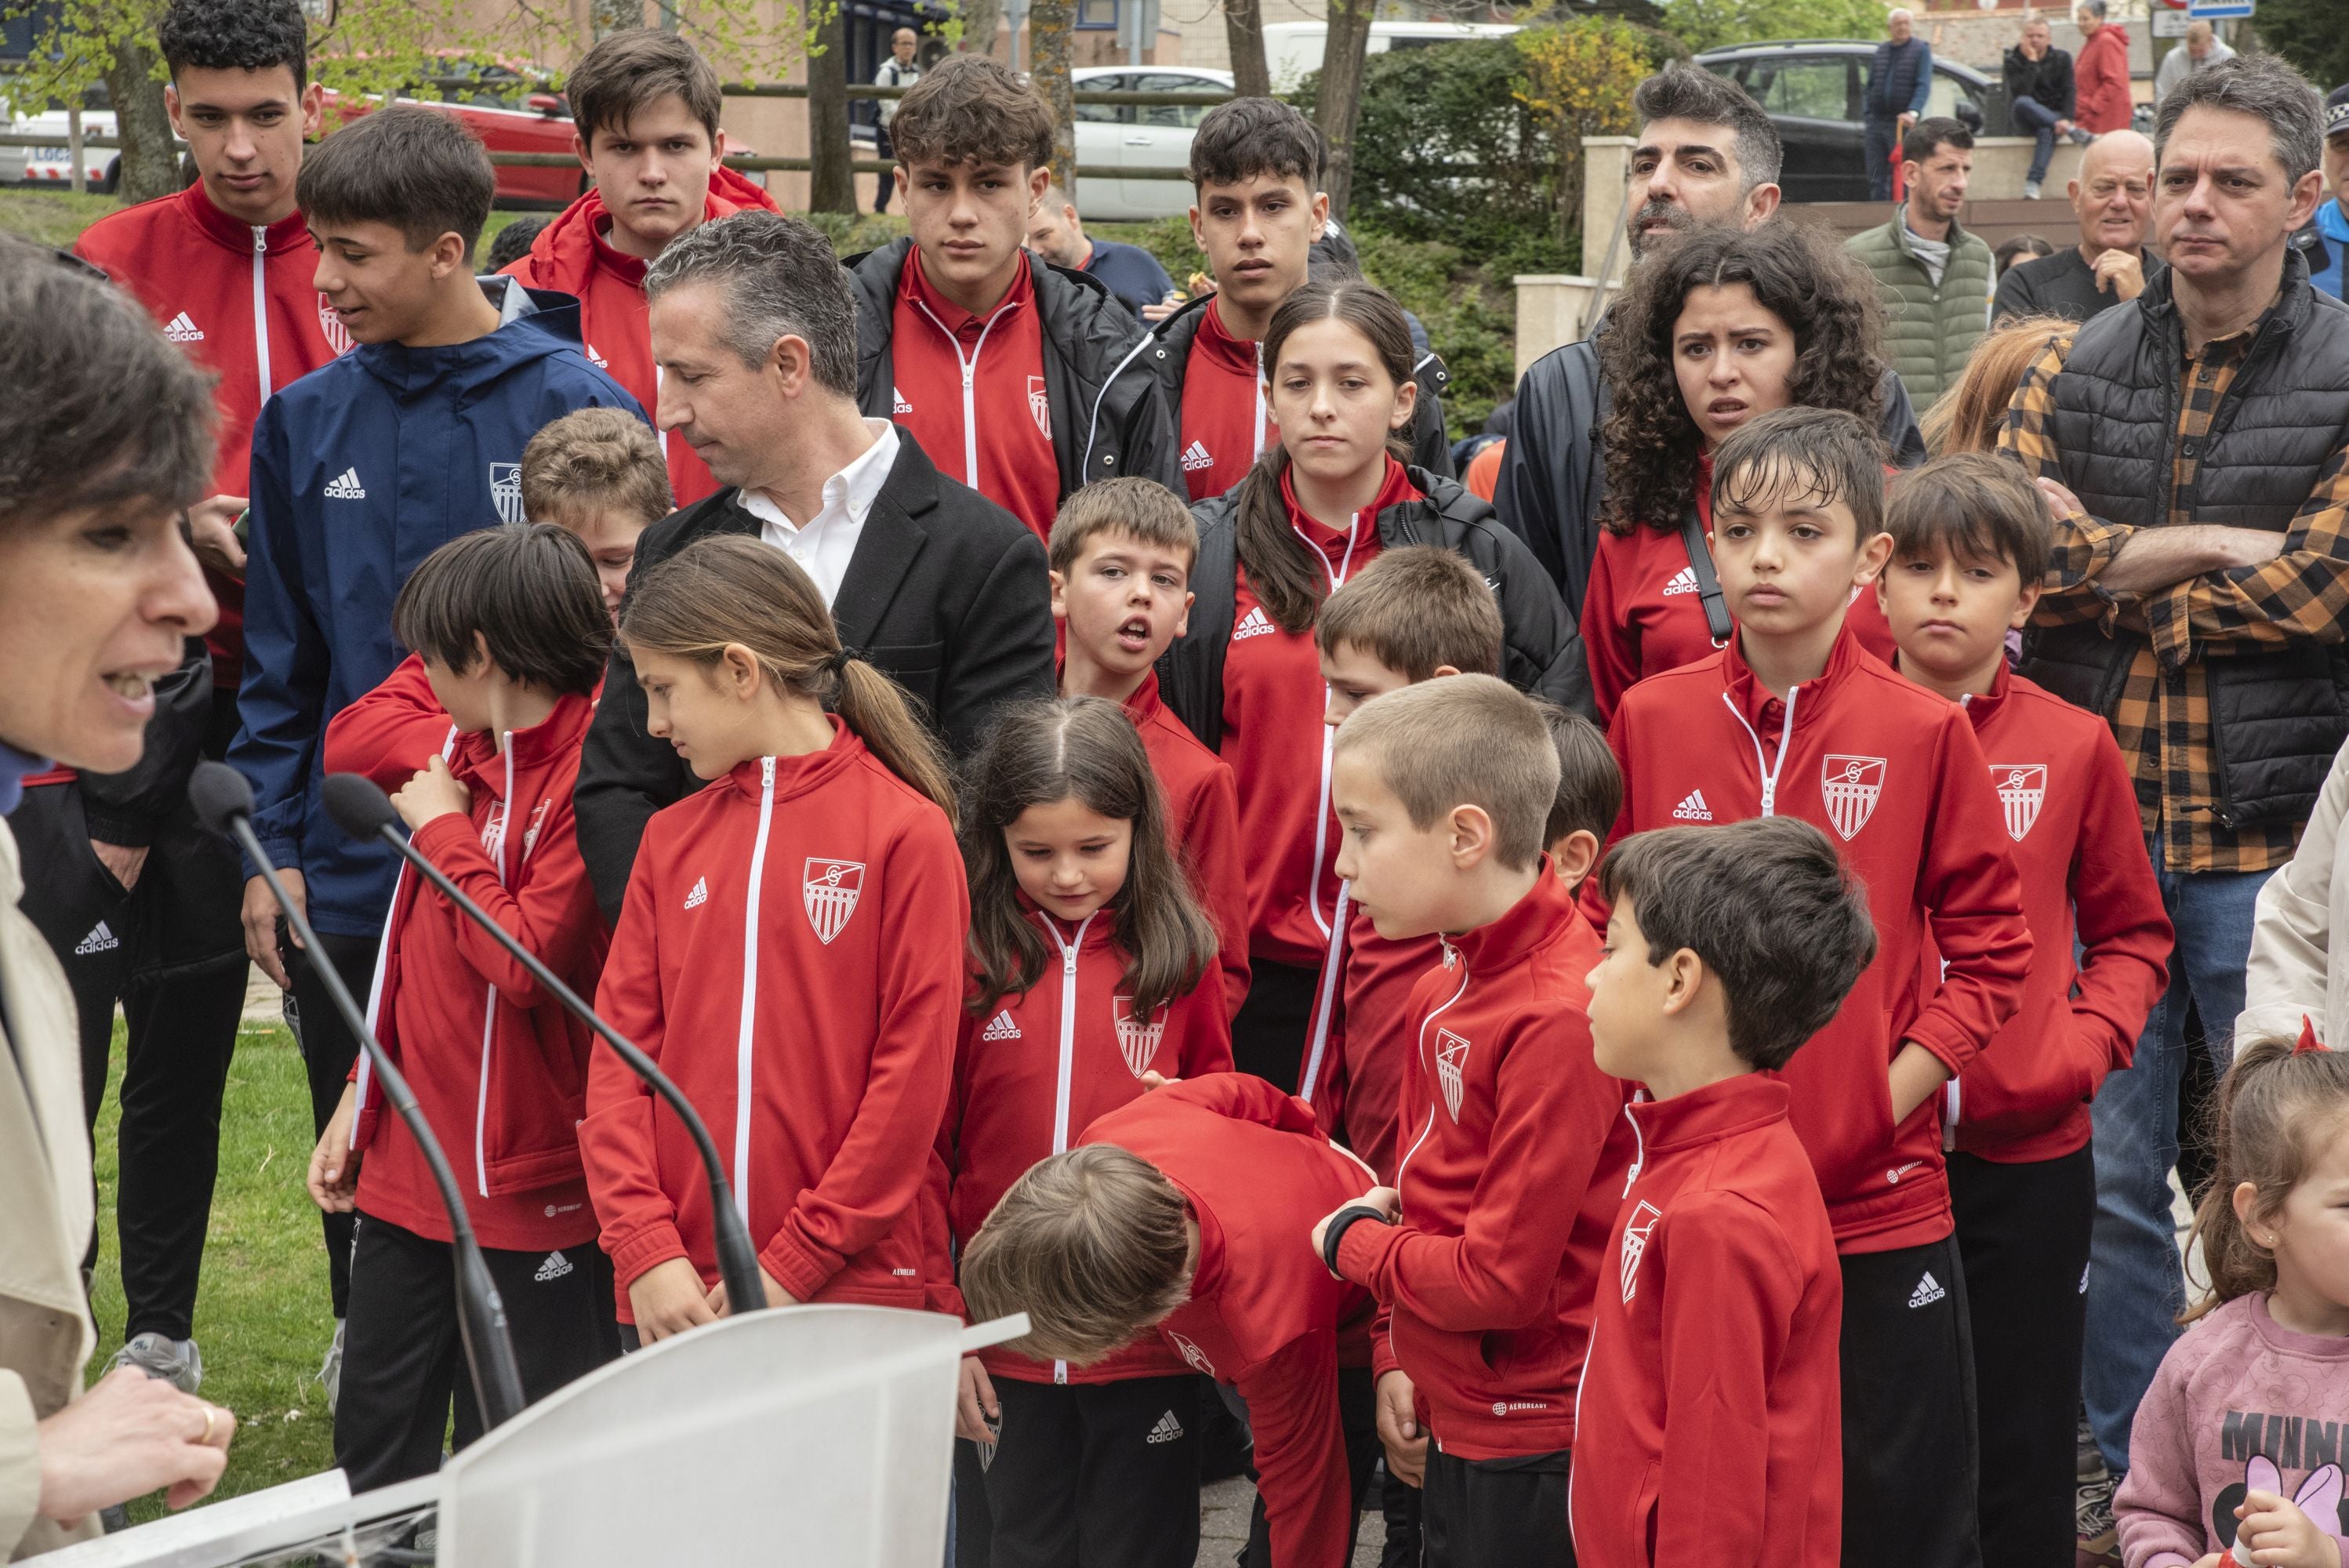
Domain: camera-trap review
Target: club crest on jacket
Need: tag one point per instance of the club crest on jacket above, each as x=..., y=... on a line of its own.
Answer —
x=1636, y=1231
x=2022, y=790
x=330, y=322
x=829, y=889
x=1040, y=404
x=1192, y=1353
x=1137, y=1038
x=505, y=493
x=1451, y=1056
x=1852, y=786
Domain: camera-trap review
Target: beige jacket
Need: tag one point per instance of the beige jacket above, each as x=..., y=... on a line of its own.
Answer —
x=2306, y=901
x=46, y=1333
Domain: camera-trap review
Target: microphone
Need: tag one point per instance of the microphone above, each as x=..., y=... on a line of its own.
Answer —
x=363, y=811
x=223, y=803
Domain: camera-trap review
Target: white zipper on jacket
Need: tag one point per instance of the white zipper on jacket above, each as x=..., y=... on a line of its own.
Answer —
x=1092, y=426
x=261, y=310
x=1638, y=1142
x=1256, y=434
x=1336, y=576
x=490, y=1006
x=1061, y=1092
x=1451, y=956
x=969, y=368
x=383, y=961
x=1769, y=770
x=750, y=992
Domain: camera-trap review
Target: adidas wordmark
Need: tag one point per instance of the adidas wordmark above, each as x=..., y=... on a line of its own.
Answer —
x=1255, y=624
x=700, y=894
x=182, y=330
x=346, y=486
x=1682, y=581
x=1692, y=809
x=1929, y=1291
x=101, y=939
x=1196, y=456
x=1002, y=1028
x=1167, y=1429
x=555, y=1266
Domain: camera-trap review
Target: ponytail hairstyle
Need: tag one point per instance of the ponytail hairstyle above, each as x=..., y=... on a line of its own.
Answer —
x=719, y=593
x=1288, y=580
x=2277, y=1108
x=1084, y=749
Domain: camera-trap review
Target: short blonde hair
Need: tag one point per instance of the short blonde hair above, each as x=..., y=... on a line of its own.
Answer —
x=595, y=457
x=1415, y=610
x=1094, y=1245
x=1469, y=741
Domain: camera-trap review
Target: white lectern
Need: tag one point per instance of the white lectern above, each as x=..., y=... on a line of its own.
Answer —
x=819, y=1435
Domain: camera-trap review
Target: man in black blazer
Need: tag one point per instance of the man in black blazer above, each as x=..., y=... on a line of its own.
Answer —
x=754, y=328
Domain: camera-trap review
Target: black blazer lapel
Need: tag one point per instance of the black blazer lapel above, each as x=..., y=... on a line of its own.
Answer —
x=886, y=550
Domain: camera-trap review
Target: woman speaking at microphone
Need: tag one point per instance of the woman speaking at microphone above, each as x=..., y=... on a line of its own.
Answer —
x=105, y=438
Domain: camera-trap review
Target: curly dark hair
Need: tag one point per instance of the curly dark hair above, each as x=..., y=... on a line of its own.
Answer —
x=1826, y=300
x=236, y=35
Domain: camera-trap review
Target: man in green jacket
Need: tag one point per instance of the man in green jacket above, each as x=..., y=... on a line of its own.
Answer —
x=1935, y=277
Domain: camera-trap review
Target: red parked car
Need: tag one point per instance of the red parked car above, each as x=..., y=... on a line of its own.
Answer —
x=513, y=107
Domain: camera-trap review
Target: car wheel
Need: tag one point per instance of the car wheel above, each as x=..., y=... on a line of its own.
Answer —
x=107, y=186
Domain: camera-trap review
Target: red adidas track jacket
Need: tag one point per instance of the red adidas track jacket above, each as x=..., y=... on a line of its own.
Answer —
x=1203, y=815
x=791, y=952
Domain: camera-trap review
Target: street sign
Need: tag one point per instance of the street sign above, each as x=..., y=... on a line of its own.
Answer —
x=2219, y=10
x=2169, y=23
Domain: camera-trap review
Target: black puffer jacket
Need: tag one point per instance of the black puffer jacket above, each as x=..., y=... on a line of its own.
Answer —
x=1541, y=652
x=2047, y=81
x=2277, y=717
x=1109, y=416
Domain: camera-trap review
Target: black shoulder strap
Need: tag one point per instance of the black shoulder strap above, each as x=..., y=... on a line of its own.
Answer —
x=1708, y=584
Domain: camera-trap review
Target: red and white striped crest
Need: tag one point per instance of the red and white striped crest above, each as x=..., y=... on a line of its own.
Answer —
x=2022, y=790
x=1192, y=1353
x=829, y=889
x=339, y=336
x=1451, y=1056
x=1137, y=1038
x=1040, y=405
x=1636, y=1231
x=1851, y=785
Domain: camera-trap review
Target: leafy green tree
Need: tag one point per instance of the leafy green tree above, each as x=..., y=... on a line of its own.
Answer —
x=2308, y=32
x=1712, y=24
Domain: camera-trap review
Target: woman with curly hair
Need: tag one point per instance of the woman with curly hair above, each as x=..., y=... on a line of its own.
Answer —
x=1726, y=327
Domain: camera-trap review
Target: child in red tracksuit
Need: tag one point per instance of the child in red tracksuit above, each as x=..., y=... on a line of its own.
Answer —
x=1122, y=555
x=1709, y=1428
x=511, y=634
x=1093, y=966
x=1795, y=718
x=1482, y=1255
x=1180, y=1212
x=788, y=950
x=1969, y=549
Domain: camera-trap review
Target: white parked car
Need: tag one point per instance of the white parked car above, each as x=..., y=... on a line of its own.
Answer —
x=1292, y=50
x=51, y=163
x=1135, y=136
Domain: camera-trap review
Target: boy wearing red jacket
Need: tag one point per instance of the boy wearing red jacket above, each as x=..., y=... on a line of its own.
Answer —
x=1796, y=718
x=1969, y=549
x=1122, y=552
x=1710, y=1429
x=645, y=104
x=1179, y=1215
x=1483, y=1254
x=512, y=633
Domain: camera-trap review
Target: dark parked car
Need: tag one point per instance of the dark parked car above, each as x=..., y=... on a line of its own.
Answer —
x=1811, y=88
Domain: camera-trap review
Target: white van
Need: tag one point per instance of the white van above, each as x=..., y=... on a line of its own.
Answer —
x=1292, y=50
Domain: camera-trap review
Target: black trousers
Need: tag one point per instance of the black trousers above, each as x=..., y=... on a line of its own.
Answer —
x=1083, y=1475
x=404, y=1364
x=1268, y=1033
x=2023, y=1233
x=1357, y=1422
x=1495, y=1513
x=1909, y=1471
x=329, y=1049
x=171, y=952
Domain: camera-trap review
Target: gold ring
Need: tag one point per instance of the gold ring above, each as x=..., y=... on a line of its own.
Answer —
x=211, y=1418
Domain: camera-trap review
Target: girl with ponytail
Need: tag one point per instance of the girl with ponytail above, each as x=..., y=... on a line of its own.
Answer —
x=790, y=950
x=2236, y=1456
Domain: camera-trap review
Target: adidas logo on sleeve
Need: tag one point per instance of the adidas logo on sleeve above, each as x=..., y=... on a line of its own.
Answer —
x=1929, y=1291
x=1196, y=456
x=346, y=486
x=1002, y=1028
x=1167, y=1429
x=101, y=939
x=1692, y=809
x=700, y=894
x=1682, y=582
x=180, y=330
x=1255, y=624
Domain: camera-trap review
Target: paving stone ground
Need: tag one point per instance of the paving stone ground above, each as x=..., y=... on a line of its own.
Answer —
x=1224, y=1509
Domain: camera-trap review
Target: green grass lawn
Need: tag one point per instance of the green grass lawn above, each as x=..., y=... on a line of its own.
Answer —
x=262, y=1315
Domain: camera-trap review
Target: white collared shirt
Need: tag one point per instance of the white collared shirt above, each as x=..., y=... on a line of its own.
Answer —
x=823, y=544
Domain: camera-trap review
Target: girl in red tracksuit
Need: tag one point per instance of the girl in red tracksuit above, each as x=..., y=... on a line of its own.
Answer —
x=1092, y=964
x=509, y=637
x=788, y=950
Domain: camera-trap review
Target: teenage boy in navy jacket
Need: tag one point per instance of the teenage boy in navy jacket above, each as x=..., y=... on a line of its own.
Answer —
x=1796, y=718
x=360, y=469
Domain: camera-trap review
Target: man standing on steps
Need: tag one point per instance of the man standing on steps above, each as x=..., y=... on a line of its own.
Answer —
x=1934, y=277
x=138, y=899
x=1899, y=81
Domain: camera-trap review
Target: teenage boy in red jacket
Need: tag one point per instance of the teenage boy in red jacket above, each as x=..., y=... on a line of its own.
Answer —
x=1179, y=1213
x=512, y=631
x=1969, y=549
x=1794, y=717
x=1710, y=1429
x=1483, y=1254
x=1122, y=552
x=645, y=104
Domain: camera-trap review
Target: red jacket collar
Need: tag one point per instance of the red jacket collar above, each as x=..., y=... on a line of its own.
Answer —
x=482, y=767
x=1100, y=930
x=285, y=234
x=1237, y=354
x=1756, y=702
x=1533, y=921
x=1393, y=490
x=797, y=775
x=1984, y=706
x=1707, y=1115
x=569, y=249
x=913, y=283
x=1145, y=703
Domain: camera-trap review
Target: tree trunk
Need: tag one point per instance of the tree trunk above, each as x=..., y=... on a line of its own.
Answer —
x=1049, y=24
x=832, y=185
x=1339, y=102
x=1244, y=35
x=980, y=18
x=609, y=17
x=149, y=167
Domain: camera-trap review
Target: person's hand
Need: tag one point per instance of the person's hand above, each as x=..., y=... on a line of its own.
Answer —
x=433, y=792
x=776, y=1294
x=1164, y=307
x=1399, y=1432
x=1385, y=1200
x=260, y=917
x=128, y=1435
x=334, y=1178
x=212, y=532
x=1905, y=121
x=2120, y=273
x=123, y=862
x=2214, y=1559
x=2061, y=504
x=975, y=1402
x=2062, y=128
x=1916, y=1074
x=667, y=1299
x=1154, y=1078
x=2281, y=1536
x=2252, y=546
